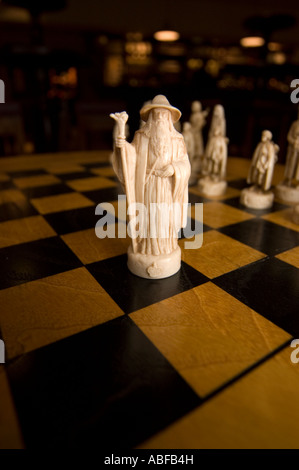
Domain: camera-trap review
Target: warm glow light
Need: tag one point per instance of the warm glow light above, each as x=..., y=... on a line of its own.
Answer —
x=278, y=58
x=252, y=41
x=274, y=46
x=194, y=64
x=166, y=35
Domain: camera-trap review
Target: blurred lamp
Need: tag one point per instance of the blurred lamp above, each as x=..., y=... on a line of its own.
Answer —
x=166, y=35
x=252, y=41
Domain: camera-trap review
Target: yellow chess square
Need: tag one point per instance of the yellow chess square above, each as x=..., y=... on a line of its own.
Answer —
x=63, y=168
x=290, y=256
x=89, y=248
x=283, y=218
x=256, y=412
x=24, y=230
x=12, y=195
x=104, y=171
x=208, y=335
x=219, y=254
x=92, y=156
x=60, y=202
x=91, y=183
x=34, y=181
x=217, y=214
x=46, y=310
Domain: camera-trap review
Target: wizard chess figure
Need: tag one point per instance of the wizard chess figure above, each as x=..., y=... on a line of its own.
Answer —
x=154, y=170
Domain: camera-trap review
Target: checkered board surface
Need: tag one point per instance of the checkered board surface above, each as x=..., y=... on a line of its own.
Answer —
x=98, y=357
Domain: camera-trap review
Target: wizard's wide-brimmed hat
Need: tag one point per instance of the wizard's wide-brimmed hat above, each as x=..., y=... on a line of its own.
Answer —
x=160, y=101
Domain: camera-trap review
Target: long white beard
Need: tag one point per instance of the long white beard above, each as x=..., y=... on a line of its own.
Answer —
x=160, y=138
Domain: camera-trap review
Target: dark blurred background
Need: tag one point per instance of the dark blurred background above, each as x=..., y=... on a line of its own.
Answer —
x=67, y=64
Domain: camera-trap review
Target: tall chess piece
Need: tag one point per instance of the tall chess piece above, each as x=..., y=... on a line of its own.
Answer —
x=260, y=174
x=197, y=121
x=190, y=144
x=218, y=122
x=288, y=190
x=154, y=170
x=214, y=184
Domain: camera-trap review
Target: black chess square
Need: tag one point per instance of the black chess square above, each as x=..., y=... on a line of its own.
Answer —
x=16, y=210
x=193, y=227
x=104, y=195
x=34, y=260
x=92, y=165
x=43, y=191
x=77, y=219
x=270, y=287
x=113, y=178
x=263, y=235
x=131, y=292
x=240, y=183
x=7, y=185
x=108, y=386
x=25, y=173
x=194, y=198
x=75, y=175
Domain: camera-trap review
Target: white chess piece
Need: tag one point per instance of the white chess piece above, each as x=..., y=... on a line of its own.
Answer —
x=197, y=121
x=218, y=122
x=259, y=195
x=190, y=146
x=154, y=170
x=214, y=184
x=288, y=189
x=213, y=169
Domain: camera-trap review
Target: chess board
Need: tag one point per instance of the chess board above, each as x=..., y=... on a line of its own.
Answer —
x=98, y=357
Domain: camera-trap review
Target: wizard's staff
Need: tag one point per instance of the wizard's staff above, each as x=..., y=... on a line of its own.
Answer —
x=121, y=119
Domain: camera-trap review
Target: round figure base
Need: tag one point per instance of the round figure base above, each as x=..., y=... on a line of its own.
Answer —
x=255, y=198
x=209, y=187
x=287, y=194
x=154, y=266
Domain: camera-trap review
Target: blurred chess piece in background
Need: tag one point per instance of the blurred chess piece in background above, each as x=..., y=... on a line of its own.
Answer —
x=218, y=122
x=259, y=195
x=197, y=121
x=288, y=190
x=190, y=146
x=215, y=161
